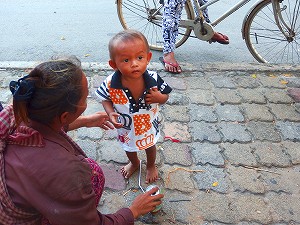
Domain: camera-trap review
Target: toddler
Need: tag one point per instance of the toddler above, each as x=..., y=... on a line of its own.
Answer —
x=131, y=96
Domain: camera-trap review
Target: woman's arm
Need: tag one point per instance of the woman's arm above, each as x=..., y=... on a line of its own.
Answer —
x=98, y=119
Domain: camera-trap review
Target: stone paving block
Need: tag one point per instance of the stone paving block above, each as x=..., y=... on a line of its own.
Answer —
x=239, y=154
x=175, y=113
x=178, y=98
x=223, y=82
x=263, y=131
x=227, y=96
x=292, y=82
x=270, y=154
x=277, y=96
x=212, y=178
x=89, y=147
x=202, y=113
x=203, y=97
x=177, y=179
x=6, y=97
x=113, y=177
x=289, y=130
x=285, y=112
x=112, y=202
x=179, y=209
x=234, y=132
x=214, y=207
x=247, y=81
x=198, y=83
x=97, y=80
x=250, y=207
x=177, y=153
x=252, y=95
x=7, y=79
x=257, y=112
x=280, y=180
x=244, y=179
x=177, y=131
x=285, y=207
x=202, y=131
x=292, y=149
x=176, y=83
x=294, y=93
x=271, y=80
x=207, y=153
x=93, y=133
x=110, y=150
x=229, y=113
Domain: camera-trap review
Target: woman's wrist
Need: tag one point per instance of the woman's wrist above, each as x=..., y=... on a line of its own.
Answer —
x=134, y=212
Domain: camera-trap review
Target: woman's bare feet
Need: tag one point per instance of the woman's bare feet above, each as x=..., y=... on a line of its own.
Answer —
x=128, y=170
x=151, y=174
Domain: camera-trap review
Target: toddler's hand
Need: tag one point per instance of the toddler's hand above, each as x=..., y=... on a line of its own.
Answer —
x=113, y=116
x=153, y=96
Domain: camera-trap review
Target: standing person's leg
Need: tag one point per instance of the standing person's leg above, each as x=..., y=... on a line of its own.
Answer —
x=171, y=19
x=218, y=37
x=152, y=172
x=132, y=166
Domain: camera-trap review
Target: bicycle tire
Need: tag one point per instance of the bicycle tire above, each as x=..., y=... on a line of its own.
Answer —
x=136, y=14
x=264, y=39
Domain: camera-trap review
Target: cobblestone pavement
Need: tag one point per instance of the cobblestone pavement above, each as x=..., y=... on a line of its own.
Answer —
x=230, y=152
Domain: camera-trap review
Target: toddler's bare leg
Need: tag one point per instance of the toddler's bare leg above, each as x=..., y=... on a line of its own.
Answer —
x=132, y=166
x=152, y=172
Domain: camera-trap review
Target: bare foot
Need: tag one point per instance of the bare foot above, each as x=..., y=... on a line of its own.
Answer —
x=151, y=174
x=128, y=170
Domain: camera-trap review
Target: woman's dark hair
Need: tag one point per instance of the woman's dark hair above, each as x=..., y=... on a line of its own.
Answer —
x=56, y=89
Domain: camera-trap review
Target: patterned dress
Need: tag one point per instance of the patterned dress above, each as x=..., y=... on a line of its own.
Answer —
x=140, y=120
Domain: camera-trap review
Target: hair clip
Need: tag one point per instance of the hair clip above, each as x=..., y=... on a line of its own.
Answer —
x=22, y=89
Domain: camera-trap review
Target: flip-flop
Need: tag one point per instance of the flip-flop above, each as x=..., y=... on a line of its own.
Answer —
x=220, y=38
x=176, y=65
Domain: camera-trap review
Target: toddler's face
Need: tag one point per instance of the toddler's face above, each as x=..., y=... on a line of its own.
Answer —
x=131, y=58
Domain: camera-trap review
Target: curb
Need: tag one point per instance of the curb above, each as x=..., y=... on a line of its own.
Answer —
x=219, y=66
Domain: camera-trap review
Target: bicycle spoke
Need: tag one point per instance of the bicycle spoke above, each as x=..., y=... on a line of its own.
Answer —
x=265, y=39
x=144, y=16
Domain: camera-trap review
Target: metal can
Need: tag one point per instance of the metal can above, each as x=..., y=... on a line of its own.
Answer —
x=158, y=207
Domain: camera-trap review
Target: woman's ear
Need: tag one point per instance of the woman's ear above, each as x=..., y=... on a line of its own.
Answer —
x=112, y=64
x=64, y=117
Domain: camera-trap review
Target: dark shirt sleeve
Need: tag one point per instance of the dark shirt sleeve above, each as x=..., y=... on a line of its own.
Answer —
x=163, y=86
x=60, y=190
x=123, y=216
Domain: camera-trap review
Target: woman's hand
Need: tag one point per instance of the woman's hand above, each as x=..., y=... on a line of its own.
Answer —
x=98, y=119
x=145, y=203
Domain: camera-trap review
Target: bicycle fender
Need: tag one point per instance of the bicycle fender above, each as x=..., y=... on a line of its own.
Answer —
x=247, y=15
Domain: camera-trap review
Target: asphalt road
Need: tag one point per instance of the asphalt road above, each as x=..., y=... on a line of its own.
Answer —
x=35, y=30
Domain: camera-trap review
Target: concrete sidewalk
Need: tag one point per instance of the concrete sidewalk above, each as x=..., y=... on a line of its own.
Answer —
x=230, y=146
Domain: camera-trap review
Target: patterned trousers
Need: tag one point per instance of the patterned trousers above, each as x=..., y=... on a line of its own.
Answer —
x=171, y=18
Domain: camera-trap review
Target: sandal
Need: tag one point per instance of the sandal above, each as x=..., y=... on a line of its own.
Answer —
x=174, y=65
x=220, y=38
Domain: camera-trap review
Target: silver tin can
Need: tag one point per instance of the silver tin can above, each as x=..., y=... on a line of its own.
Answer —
x=158, y=207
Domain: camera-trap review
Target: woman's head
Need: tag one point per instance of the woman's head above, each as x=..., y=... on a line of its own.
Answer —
x=50, y=89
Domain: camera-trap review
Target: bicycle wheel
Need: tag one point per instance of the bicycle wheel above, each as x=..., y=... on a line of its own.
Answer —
x=138, y=15
x=264, y=39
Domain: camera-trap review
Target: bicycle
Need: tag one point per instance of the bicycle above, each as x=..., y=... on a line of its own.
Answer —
x=270, y=28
